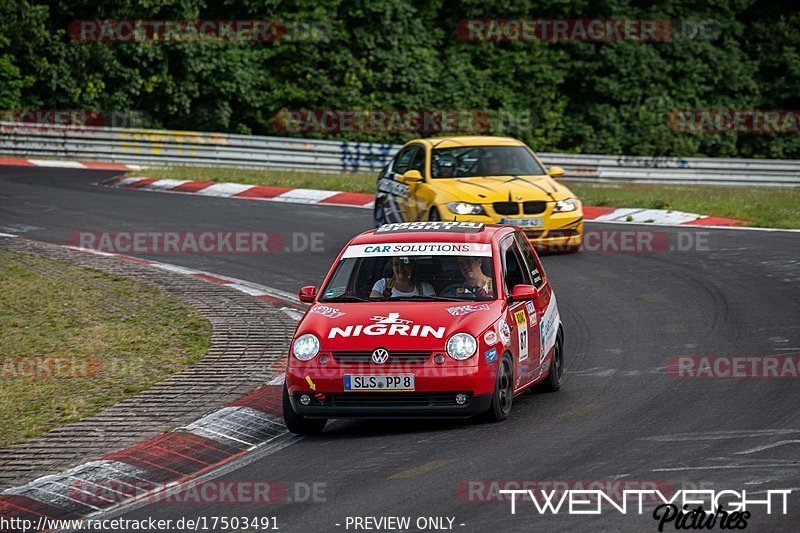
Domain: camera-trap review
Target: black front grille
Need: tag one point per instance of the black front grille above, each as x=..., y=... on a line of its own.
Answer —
x=408, y=358
x=506, y=208
x=395, y=399
x=534, y=208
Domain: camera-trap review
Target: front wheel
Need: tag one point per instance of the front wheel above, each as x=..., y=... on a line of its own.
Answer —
x=434, y=215
x=503, y=395
x=297, y=423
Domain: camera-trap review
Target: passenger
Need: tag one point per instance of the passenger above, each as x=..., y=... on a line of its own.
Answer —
x=402, y=283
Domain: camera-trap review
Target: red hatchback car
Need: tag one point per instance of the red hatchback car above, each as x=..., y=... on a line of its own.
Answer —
x=424, y=319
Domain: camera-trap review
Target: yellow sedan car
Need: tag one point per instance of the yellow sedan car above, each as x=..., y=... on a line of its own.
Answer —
x=495, y=180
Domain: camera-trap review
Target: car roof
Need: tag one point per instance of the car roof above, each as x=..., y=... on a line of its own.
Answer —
x=487, y=234
x=468, y=140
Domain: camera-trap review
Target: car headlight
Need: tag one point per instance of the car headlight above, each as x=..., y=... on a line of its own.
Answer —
x=462, y=346
x=306, y=347
x=463, y=208
x=565, y=206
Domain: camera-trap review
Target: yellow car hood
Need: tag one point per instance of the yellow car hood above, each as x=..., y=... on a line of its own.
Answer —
x=499, y=189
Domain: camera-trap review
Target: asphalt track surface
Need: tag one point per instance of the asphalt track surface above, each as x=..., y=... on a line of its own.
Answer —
x=618, y=416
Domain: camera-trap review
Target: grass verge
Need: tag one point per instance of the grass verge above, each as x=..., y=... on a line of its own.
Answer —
x=765, y=207
x=75, y=340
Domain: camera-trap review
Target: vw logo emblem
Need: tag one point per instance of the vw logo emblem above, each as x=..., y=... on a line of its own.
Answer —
x=380, y=356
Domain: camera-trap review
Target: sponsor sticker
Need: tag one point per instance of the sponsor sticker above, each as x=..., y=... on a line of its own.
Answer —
x=461, y=310
x=490, y=337
x=531, y=313
x=522, y=333
x=504, y=331
x=391, y=325
x=418, y=248
x=491, y=355
x=324, y=310
x=406, y=227
x=548, y=328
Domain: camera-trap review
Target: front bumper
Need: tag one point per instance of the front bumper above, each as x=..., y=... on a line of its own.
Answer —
x=381, y=405
x=558, y=230
x=434, y=396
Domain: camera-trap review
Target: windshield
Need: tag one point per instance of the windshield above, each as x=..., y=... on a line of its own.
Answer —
x=471, y=161
x=392, y=277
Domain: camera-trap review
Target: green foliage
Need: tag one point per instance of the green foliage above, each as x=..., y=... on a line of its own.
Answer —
x=590, y=97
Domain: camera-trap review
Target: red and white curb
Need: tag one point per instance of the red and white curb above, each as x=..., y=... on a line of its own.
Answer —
x=662, y=217
x=238, y=190
x=659, y=217
x=54, y=163
x=163, y=463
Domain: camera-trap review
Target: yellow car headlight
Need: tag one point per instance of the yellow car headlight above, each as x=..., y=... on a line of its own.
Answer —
x=566, y=206
x=464, y=208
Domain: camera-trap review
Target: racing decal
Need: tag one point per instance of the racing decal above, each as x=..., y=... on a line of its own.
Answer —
x=395, y=188
x=531, y=313
x=420, y=248
x=405, y=227
x=462, y=310
x=388, y=325
x=522, y=333
x=548, y=328
x=504, y=331
x=490, y=337
x=324, y=310
x=491, y=355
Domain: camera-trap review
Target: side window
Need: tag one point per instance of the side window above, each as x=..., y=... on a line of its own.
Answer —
x=515, y=271
x=418, y=163
x=403, y=160
x=530, y=259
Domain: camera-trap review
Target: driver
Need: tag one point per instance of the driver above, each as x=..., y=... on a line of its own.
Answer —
x=494, y=166
x=475, y=280
x=402, y=282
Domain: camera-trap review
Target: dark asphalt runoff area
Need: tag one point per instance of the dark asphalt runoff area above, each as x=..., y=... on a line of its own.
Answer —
x=619, y=418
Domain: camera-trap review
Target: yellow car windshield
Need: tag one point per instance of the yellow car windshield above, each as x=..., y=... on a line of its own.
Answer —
x=475, y=161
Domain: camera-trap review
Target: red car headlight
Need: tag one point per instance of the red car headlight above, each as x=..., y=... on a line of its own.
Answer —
x=462, y=346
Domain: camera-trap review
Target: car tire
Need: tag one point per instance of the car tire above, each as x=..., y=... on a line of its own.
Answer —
x=434, y=216
x=503, y=396
x=556, y=373
x=297, y=423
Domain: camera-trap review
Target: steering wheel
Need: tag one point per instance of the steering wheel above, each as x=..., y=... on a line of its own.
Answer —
x=452, y=290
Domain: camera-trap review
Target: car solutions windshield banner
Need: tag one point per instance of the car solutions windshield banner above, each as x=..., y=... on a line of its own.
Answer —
x=418, y=248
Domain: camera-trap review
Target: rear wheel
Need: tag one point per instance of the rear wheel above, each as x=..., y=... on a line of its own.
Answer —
x=379, y=213
x=553, y=380
x=503, y=395
x=297, y=423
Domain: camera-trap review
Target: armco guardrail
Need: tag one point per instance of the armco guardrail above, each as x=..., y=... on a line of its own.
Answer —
x=164, y=147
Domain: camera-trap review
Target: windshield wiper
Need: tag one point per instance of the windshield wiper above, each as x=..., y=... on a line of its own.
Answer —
x=348, y=298
x=413, y=298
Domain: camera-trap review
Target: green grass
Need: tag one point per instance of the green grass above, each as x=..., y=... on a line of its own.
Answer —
x=765, y=207
x=74, y=340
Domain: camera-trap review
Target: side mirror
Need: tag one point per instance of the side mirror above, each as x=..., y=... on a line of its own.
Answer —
x=522, y=293
x=412, y=176
x=556, y=172
x=308, y=294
